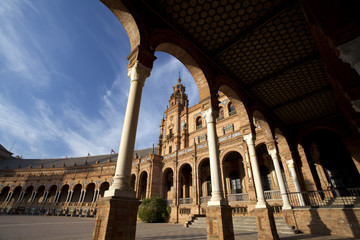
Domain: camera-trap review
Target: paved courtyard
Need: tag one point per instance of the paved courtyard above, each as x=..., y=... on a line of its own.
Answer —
x=56, y=228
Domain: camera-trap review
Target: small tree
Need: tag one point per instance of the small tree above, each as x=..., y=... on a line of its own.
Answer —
x=153, y=210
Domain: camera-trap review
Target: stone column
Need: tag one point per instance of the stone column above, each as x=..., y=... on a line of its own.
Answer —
x=94, y=197
x=34, y=196
x=218, y=213
x=256, y=171
x=264, y=217
x=70, y=196
x=291, y=166
x=350, y=53
x=117, y=211
x=274, y=156
x=45, y=196
x=83, y=196
x=67, y=197
x=8, y=198
x=121, y=185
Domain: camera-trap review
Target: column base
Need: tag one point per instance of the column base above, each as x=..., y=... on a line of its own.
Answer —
x=116, y=218
x=265, y=224
x=219, y=223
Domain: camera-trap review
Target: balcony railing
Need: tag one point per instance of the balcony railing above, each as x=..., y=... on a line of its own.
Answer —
x=349, y=197
x=169, y=201
x=185, y=200
x=204, y=199
x=238, y=197
x=272, y=195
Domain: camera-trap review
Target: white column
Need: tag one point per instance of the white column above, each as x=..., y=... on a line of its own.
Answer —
x=67, y=197
x=80, y=197
x=256, y=172
x=55, y=197
x=350, y=53
x=97, y=195
x=10, y=196
x=45, y=196
x=121, y=185
x=291, y=167
x=94, y=197
x=70, y=196
x=20, y=196
x=83, y=197
x=217, y=191
x=7, y=197
x=34, y=196
x=274, y=156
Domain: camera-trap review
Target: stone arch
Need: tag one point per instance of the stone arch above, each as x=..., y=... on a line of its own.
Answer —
x=16, y=194
x=127, y=20
x=103, y=187
x=143, y=182
x=28, y=192
x=171, y=43
x=64, y=190
x=185, y=180
x=232, y=162
x=52, y=193
x=224, y=153
x=266, y=167
x=261, y=121
x=89, y=195
x=239, y=102
x=76, y=192
x=4, y=193
x=168, y=183
x=204, y=177
x=39, y=194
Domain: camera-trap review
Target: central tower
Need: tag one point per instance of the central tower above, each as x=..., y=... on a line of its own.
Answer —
x=173, y=127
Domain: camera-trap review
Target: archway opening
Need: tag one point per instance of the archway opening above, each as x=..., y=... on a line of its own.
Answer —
x=234, y=173
x=89, y=195
x=52, y=193
x=64, y=193
x=40, y=194
x=143, y=185
x=76, y=193
x=205, y=180
x=28, y=192
x=4, y=193
x=168, y=184
x=104, y=187
x=185, y=184
x=132, y=181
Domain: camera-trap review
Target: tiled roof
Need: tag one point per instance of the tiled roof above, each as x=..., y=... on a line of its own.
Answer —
x=14, y=163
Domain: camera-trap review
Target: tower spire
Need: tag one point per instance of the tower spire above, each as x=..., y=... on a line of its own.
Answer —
x=179, y=79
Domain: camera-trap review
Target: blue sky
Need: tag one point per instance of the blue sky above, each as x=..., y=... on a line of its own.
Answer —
x=64, y=84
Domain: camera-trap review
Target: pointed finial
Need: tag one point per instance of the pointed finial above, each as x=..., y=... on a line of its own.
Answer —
x=179, y=79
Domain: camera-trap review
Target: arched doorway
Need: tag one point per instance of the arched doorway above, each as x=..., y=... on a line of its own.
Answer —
x=28, y=192
x=40, y=194
x=168, y=184
x=89, y=195
x=64, y=193
x=185, y=184
x=143, y=185
x=205, y=181
x=76, y=193
x=234, y=173
x=4, y=193
x=52, y=193
x=104, y=187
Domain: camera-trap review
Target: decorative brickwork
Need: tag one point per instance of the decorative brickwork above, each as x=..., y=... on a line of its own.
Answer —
x=116, y=219
x=219, y=223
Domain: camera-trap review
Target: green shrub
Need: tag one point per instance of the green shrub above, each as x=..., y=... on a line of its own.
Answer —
x=153, y=210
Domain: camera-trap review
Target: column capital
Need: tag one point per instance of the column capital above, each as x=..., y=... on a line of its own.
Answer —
x=273, y=153
x=210, y=115
x=249, y=138
x=290, y=163
x=271, y=145
x=138, y=72
x=350, y=51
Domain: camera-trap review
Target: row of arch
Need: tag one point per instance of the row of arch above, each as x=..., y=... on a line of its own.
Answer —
x=53, y=194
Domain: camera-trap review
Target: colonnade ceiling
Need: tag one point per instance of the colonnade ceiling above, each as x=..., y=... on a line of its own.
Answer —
x=264, y=46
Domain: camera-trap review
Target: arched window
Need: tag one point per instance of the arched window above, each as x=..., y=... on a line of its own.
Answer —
x=198, y=123
x=231, y=109
x=221, y=114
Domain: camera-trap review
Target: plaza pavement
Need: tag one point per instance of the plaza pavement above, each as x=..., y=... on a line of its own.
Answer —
x=15, y=227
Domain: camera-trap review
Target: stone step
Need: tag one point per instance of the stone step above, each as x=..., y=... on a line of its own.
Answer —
x=247, y=224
